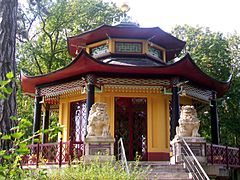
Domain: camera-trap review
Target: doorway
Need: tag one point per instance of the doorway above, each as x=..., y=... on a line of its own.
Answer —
x=131, y=126
x=78, y=121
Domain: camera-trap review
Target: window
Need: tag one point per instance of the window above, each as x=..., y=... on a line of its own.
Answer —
x=128, y=47
x=155, y=52
x=98, y=50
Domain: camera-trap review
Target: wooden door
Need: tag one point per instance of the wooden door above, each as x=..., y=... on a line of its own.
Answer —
x=131, y=125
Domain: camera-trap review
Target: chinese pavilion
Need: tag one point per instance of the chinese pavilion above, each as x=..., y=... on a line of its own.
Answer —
x=133, y=71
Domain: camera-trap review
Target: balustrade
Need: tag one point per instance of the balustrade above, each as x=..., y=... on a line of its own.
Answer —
x=223, y=155
x=53, y=153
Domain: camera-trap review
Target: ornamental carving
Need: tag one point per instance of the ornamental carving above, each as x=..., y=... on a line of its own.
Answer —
x=98, y=120
x=188, y=122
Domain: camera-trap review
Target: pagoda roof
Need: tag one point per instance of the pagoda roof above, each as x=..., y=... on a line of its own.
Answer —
x=85, y=64
x=156, y=35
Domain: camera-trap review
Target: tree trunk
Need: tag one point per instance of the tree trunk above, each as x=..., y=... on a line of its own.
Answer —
x=8, y=26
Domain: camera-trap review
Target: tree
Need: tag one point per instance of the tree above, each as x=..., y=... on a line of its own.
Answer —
x=44, y=27
x=219, y=57
x=230, y=107
x=8, y=26
x=208, y=49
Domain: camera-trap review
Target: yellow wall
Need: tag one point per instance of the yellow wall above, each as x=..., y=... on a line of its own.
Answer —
x=158, y=123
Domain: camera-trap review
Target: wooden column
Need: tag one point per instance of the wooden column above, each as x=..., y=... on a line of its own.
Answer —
x=214, y=119
x=45, y=124
x=37, y=115
x=90, y=93
x=175, y=110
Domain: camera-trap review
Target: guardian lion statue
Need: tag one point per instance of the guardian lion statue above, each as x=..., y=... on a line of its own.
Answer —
x=98, y=120
x=188, y=122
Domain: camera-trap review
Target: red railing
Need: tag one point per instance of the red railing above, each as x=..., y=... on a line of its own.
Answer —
x=223, y=155
x=53, y=153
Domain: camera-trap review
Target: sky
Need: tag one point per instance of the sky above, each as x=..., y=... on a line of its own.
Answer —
x=219, y=15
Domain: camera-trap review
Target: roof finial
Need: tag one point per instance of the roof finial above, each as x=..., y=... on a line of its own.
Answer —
x=126, y=20
x=125, y=8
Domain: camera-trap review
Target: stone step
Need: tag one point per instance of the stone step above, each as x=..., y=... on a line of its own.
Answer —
x=169, y=175
x=150, y=162
x=162, y=170
x=167, y=170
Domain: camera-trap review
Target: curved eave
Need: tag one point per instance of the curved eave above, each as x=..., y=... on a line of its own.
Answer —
x=172, y=45
x=84, y=63
x=191, y=71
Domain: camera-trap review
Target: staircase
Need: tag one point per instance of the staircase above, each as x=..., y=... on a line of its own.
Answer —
x=164, y=171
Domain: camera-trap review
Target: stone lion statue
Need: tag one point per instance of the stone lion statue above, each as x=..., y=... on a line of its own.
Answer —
x=188, y=122
x=98, y=120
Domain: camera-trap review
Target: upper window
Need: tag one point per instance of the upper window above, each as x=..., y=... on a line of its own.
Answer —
x=128, y=47
x=98, y=50
x=155, y=52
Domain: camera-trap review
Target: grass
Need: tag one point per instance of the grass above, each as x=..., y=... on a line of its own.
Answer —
x=95, y=170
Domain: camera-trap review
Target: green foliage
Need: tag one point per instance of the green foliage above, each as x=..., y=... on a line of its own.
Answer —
x=96, y=170
x=218, y=56
x=208, y=49
x=43, y=28
x=10, y=159
x=4, y=90
x=230, y=105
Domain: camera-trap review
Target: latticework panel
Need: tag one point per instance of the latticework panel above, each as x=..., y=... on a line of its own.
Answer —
x=202, y=94
x=78, y=120
x=132, y=89
x=52, y=93
x=132, y=81
x=53, y=153
x=233, y=156
x=52, y=100
x=223, y=155
x=62, y=88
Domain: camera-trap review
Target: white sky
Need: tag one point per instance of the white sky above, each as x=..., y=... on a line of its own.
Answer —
x=219, y=15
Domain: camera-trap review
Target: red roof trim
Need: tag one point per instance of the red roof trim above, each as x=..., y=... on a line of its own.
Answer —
x=84, y=64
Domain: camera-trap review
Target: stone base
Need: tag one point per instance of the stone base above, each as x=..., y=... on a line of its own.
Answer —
x=96, y=158
x=217, y=171
x=99, y=148
x=196, y=144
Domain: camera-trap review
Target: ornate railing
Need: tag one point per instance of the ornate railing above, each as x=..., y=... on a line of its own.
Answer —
x=192, y=164
x=53, y=153
x=122, y=156
x=223, y=155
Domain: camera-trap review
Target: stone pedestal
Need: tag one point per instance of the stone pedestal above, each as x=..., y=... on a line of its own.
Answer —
x=99, y=148
x=196, y=144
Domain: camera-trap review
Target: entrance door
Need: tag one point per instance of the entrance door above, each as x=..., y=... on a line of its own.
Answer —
x=131, y=125
x=78, y=122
